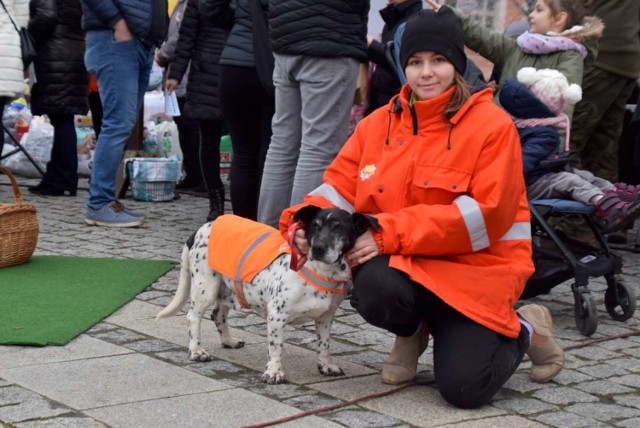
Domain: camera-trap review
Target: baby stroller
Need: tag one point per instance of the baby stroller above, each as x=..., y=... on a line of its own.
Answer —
x=557, y=259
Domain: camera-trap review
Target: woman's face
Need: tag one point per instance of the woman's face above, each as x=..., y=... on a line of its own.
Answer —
x=542, y=21
x=429, y=74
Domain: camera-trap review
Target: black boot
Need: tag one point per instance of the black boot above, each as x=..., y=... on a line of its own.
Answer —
x=216, y=203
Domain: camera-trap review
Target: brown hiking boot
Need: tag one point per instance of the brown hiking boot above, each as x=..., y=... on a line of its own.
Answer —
x=402, y=364
x=547, y=357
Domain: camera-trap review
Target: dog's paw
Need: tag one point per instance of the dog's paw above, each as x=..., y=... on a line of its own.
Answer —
x=199, y=355
x=236, y=344
x=330, y=370
x=273, y=378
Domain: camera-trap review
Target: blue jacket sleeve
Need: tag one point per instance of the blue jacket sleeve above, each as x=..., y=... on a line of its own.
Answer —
x=105, y=10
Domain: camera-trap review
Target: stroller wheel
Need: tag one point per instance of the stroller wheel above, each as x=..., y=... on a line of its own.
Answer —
x=620, y=301
x=585, y=314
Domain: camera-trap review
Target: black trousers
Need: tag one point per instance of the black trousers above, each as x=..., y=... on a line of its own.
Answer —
x=470, y=362
x=247, y=109
x=3, y=101
x=209, y=151
x=189, y=138
x=62, y=169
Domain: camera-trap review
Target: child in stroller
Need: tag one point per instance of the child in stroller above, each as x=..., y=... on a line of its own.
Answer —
x=536, y=101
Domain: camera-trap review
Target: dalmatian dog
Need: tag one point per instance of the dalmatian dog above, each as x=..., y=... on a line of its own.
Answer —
x=278, y=293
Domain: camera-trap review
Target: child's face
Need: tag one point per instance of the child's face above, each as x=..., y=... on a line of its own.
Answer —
x=542, y=21
x=429, y=74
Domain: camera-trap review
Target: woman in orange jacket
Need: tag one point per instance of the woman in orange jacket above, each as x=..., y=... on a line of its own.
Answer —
x=441, y=171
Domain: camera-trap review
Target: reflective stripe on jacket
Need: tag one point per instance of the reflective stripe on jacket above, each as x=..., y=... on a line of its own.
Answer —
x=449, y=198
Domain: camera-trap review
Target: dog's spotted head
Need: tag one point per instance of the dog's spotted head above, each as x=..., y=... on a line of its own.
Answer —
x=332, y=232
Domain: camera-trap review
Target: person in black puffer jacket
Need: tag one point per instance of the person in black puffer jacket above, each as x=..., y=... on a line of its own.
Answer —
x=62, y=87
x=202, y=44
x=246, y=101
x=318, y=45
x=384, y=82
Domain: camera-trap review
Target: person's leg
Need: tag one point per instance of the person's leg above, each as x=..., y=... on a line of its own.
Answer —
x=189, y=137
x=387, y=298
x=326, y=87
x=594, y=139
x=209, y=150
x=248, y=111
x=563, y=185
x=282, y=156
x=602, y=160
x=95, y=106
x=121, y=95
x=471, y=362
x=3, y=102
x=62, y=169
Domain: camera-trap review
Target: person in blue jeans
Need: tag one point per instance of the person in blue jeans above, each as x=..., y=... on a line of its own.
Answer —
x=121, y=37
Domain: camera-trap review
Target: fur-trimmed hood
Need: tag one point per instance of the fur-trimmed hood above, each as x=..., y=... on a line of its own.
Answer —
x=591, y=28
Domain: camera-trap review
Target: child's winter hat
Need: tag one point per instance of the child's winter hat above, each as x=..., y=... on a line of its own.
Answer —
x=439, y=32
x=551, y=87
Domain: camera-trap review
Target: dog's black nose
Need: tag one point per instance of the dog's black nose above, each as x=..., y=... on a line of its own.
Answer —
x=318, y=251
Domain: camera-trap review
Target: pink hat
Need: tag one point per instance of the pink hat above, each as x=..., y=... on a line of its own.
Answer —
x=551, y=87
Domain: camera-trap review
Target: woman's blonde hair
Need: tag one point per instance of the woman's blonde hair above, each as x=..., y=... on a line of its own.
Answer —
x=460, y=95
x=576, y=10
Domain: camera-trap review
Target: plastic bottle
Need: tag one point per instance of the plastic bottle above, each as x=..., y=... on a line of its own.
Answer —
x=22, y=127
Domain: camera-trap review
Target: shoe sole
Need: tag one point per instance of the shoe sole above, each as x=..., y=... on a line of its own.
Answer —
x=107, y=224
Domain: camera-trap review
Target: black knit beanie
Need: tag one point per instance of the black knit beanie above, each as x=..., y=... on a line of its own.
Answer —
x=439, y=32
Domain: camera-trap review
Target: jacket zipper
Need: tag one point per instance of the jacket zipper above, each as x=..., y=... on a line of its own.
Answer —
x=414, y=119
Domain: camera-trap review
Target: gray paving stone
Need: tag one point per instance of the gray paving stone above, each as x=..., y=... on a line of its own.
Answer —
x=630, y=380
x=524, y=406
x=630, y=364
x=603, y=387
x=563, y=396
x=151, y=345
x=628, y=400
x=114, y=380
x=562, y=419
x=603, y=370
x=222, y=409
x=364, y=419
x=119, y=336
x=311, y=401
x=366, y=337
x=568, y=377
x=63, y=422
x=603, y=412
x=520, y=382
x=32, y=408
x=629, y=423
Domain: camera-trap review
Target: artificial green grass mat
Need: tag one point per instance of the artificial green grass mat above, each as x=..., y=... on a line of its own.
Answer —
x=51, y=299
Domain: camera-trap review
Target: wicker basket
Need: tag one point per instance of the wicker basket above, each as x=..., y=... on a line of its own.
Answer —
x=18, y=228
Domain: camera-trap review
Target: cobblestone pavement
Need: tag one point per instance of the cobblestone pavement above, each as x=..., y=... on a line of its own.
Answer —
x=133, y=371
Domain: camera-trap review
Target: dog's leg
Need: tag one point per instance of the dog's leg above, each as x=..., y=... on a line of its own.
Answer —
x=205, y=284
x=219, y=317
x=276, y=320
x=325, y=362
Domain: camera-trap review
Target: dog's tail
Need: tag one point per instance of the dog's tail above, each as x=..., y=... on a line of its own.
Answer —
x=182, y=293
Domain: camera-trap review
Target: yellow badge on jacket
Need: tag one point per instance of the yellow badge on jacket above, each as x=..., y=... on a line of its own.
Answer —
x=367, y=172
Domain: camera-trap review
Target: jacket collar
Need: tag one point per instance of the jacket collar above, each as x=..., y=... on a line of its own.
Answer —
x=432, y=111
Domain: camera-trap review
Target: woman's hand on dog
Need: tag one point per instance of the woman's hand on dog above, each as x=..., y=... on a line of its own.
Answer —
x=300, y=240
x=364, y=249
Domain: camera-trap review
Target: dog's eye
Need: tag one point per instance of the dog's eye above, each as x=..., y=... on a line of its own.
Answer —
x=338, y=227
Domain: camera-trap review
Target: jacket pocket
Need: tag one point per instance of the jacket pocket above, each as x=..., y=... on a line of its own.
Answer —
x=438, y=185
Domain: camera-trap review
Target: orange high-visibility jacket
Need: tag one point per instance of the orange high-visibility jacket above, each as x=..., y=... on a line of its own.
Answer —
x=449, y=197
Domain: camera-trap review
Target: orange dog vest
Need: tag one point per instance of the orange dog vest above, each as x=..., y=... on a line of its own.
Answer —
x=240, y=248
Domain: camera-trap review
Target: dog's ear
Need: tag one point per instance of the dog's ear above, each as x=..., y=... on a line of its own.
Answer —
x=362, y=222
x=306, y=214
